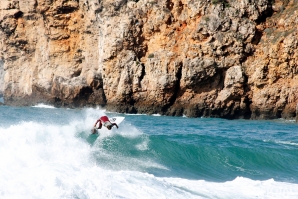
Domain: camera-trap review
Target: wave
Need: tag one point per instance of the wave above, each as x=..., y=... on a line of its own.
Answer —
x=43, y=106
x=57, y=161
x=56, y=157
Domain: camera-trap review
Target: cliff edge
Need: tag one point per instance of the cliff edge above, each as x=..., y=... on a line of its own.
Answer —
x=211, y=58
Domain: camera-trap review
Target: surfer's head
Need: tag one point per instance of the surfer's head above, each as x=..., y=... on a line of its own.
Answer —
x=109, y=127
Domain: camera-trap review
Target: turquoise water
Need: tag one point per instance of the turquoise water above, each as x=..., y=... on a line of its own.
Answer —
x=49, y=153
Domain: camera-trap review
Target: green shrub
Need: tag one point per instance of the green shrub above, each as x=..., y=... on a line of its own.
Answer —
x=216, y=1
x=151, y=55
x=207, y=18
x=225, y=3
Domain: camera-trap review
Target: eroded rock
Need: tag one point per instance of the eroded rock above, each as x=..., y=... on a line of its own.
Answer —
x=231, y=59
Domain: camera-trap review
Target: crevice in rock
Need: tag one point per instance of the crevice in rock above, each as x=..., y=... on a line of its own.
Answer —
x=180, y=7
x=77, y=73
x=278, y=113
x=19, y=14
x=268, y=13
x=257, y=38
x=139, y=46
x=66, y=10
x=222, y=74
x=176, y=90
x=119, y=5
x=169, y=5
x=169, y=21
x=99, y=8
x=246, y=87
x=143, y=72
x=85, y=92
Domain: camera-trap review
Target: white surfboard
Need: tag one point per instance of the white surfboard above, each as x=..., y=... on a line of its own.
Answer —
x=116, y=120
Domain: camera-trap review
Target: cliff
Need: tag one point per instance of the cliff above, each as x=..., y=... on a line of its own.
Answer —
x=1, y=79
x=213, y=58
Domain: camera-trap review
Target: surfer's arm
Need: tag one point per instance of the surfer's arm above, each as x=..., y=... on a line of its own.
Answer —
x=100, y=124
x=114, y=124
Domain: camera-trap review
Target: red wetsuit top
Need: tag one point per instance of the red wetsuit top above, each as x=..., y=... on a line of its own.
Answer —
x=104, y=119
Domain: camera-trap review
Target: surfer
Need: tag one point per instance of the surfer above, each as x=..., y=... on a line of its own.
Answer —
x=104, y=120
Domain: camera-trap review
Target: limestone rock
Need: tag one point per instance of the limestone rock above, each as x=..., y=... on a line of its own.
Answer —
x=1, y=79
x=231, y=59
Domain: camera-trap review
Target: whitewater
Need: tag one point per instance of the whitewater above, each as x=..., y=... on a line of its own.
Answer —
x=48, y=152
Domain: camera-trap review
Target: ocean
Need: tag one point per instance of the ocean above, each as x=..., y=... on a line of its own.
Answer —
x=48, y=152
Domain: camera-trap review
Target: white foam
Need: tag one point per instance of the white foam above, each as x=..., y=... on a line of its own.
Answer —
x=135, y=114
x=156, y=115
x=287, y=143
x=35, y=156
x=43, y=106
x=282, y=142
x=128, y=131
x=238, y=188
x=282, y=120
x=143, y=146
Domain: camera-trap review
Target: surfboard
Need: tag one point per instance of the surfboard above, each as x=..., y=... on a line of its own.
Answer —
x=116, y=120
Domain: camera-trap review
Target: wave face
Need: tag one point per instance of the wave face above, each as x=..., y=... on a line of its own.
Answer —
x=49, y=153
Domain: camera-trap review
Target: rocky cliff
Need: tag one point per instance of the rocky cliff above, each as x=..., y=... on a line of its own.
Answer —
x=217, y=58
x=1, y=79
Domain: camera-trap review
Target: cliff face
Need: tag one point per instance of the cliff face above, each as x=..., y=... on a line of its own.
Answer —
x=221, y=58
x=1, y=78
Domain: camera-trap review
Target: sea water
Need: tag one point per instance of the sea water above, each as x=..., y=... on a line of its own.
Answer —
x=46, y=152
